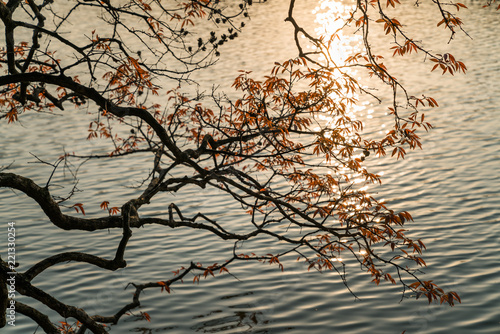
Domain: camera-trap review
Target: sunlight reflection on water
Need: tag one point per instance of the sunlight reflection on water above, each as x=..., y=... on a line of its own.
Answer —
x=451, y=188
x=331, y=17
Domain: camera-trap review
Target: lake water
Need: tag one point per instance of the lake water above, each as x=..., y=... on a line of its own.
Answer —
x=452, y=188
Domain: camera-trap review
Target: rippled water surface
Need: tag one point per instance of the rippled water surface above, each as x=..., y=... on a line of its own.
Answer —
x=451, y=187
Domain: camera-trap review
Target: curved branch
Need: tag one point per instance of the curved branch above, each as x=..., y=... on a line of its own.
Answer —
x=94, y=95
x=51, y=208
x=41, y=319
x=24, y=287
x=72, y=256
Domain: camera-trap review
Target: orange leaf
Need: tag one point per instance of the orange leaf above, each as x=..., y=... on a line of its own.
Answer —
x=79, y=205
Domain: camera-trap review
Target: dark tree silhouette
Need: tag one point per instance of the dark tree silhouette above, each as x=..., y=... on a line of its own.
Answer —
x=268, y=149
